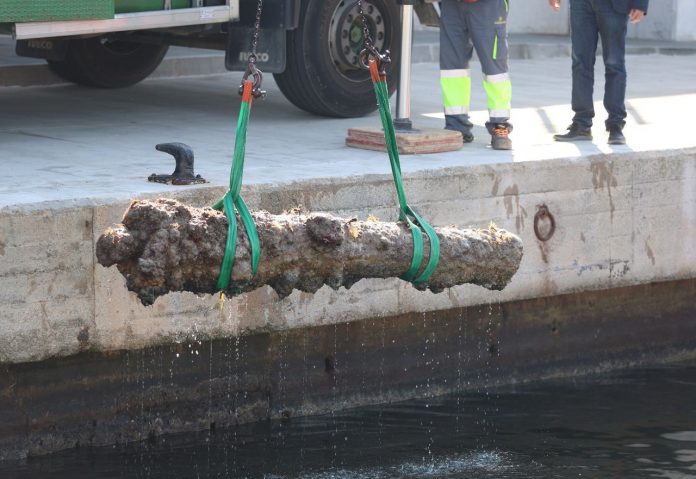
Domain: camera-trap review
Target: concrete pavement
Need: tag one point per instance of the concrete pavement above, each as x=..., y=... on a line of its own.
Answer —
x=68, y=143
x=20, y=71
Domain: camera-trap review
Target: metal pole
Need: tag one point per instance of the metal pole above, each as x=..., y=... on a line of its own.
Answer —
x=403, y=91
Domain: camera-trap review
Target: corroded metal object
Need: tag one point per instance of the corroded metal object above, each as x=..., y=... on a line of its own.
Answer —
x=183, y=172
x=164, y=246
x=543, y=215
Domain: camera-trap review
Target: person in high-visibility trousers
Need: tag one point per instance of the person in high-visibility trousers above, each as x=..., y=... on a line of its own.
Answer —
x=479, y=24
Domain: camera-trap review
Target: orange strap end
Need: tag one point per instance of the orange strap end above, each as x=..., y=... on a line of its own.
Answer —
x=374, y=71
x=246, y=91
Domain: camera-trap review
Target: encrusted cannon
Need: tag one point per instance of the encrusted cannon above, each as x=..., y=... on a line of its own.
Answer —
x=164, y=246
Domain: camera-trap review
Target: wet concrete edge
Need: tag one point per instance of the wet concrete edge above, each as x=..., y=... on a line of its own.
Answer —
x=124, y=396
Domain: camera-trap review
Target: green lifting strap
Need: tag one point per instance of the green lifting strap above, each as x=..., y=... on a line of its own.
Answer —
x=232, y=201
x=406, y=213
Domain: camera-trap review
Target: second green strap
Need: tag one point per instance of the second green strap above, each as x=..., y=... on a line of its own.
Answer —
x=407, y=214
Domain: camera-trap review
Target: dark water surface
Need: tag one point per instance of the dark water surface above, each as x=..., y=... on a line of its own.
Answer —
x=630, y=424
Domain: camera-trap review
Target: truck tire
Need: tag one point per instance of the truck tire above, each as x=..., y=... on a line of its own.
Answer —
x=100, y=63
x=323, y=74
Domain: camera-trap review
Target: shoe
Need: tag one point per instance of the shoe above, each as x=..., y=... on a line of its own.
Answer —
x=500, y=139
x=575, y=133
x=616, y=137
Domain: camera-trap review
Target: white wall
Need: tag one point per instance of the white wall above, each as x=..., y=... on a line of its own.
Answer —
x=535, y=16
x=666, y=20
x=660, y=22
x=686, y=21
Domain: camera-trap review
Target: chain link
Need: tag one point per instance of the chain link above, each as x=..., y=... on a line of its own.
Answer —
x=252, y=71
x=255, y=35
x=367, y=39
x=369, y=49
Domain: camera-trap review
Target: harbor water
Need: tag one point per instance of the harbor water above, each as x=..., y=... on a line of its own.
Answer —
x=627, y=424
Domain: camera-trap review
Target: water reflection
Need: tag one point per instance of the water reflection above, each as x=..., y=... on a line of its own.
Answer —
x=434, y=467
x=632, y=424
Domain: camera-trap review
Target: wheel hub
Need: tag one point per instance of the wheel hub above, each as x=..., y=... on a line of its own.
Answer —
x=346, y=35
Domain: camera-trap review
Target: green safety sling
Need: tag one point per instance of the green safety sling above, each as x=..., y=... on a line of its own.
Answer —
x=232, y=201
x=406, y=213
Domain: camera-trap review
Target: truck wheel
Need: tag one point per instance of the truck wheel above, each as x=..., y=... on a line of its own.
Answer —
x=323, y=74
x=101, y=63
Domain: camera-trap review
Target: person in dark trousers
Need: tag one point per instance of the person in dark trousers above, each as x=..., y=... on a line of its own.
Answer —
x=479, y=24
x=608, y=20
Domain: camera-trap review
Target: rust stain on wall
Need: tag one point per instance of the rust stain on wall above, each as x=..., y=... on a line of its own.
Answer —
x=603, y=177
x=87, y=232
x=510, y=193
x=44, y=316
x=649, y=252
x=496, y=185
x=544, y=249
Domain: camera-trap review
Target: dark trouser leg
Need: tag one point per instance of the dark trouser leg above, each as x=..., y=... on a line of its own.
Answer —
x=584, y=35
x=489, y=35
x=612, y=30
x=455, y=53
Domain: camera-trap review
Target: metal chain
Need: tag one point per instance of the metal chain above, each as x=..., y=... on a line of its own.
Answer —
x=369, y=49
x=255, y=35
x=251, y=70
x=367, y=39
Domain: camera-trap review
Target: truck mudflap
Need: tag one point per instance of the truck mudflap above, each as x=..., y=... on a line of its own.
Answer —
x=270, y=51
x=54, y=49
x=277, y=17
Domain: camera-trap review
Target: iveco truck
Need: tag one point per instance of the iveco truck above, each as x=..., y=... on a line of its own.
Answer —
x=312, y=47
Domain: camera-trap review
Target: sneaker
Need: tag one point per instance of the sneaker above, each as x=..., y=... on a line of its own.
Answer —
x=575, y=133
x=616, y=137
x=500, y=139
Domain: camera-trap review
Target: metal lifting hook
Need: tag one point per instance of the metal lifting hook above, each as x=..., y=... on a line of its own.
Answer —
x=252, y=71
x=369, y=49
x=383, y=59
x=256, y=76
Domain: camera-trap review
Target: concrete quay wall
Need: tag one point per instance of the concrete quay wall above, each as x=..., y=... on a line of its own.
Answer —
x=621, y=220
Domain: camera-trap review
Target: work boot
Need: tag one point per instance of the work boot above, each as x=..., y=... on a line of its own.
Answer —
x=616, y=136
x=500, y=139
x=575, y=133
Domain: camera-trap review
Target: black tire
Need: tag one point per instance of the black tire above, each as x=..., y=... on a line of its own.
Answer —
x=99, y=63
x=322, y=75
